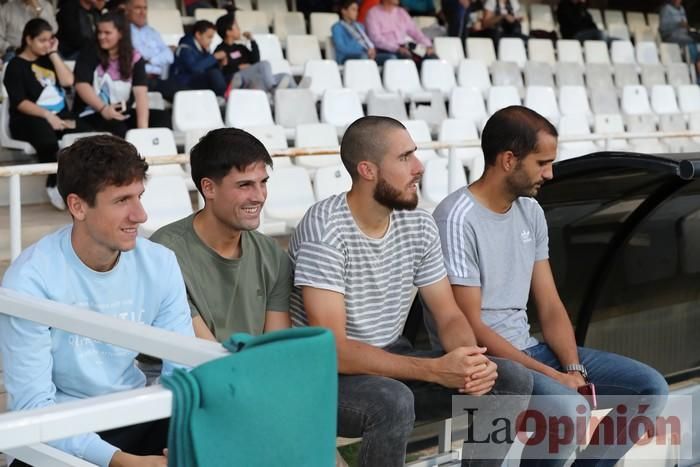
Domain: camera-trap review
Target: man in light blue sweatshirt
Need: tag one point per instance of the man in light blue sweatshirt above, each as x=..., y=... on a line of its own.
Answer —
x=98, y=263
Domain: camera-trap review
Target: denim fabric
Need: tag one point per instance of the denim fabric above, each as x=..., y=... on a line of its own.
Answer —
x=612, y=375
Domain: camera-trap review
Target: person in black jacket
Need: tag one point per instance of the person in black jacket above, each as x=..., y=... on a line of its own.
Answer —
x=76, y=26
x=575, y=22
x=243, y=68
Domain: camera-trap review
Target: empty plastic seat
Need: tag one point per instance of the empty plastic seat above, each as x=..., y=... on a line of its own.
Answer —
x=604, y=100
x=569, y=74
x=286, y=23
x=569, y=50
x=506, y=74
x=156, y=142
x=677, y=74
x=481, y=48
x=253, y=21
x=653, y=75
x=644, y=123
x=272, y=137
x=542, y=100
x=625, y=75
x=670, y=53
x=209, y=14
x=474, y=73
x=324, y=74
x=434, y=186
x=420, y=133
x=300, y=49
x=321, y=24
x=689, y=98
x=438, y=75
x=289, y=195
x=653, y=20
x=647, y=54
x=70, y=138
x=340, y=107
x=196, y=109
x=597, y=16
x=575, y=125
x=168, y=23
x=316, y=135
x=467, y=104
x=271, y=50
x=387, y=104
x=541, y=17
x=294, y=107
x=538, y=74
x=663, y=99
x=619, y=31
x=248, y=107
x=457, y=129
x=573, y=100
x=362, y=76
x=610, y=125
x=541, y=50
x=512, y=49
x=432, y=110
x=401, y=76
x=644, y=34
x=449, y=49
x=596, y=52
x=502, y=96
x=622, y=51
x=165, y=200
x=613, y=17
x=674, y=123
x=331, y=180
x=635, y=19
x=635, y=100
x=598, y=75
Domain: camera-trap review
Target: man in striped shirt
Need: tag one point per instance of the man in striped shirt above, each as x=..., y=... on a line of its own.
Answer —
x=357, y=257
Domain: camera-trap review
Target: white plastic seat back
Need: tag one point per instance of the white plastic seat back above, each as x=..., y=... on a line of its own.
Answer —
x=635, y=20
x=467, y=104
x=434, y=186
x=481, y=48
x=316, y=135
x=569, y=50
x=653, y=75
x=596, y=52
x=622, y=52
x=285, y=23
x=269, y=46
x=604, y=101
x=70, y=138
x=321, y=24
x=324, y=74
x=663, y=100
x=597, y=16
x=438, y=75
x=6, y=140
x=165, y=200
x=677, y=74
x=541, y=50
x=248, y=107
x=153, y=142
x=538, y=74
x=613, y=17
x=168, y=23
x=542, y=100
x=274, y=138
x=209, y=14
x=598, y=75
x=294, y=107
x=300, y=49
x=569, y=74
x=387, y=104
x=506, y=74
x=401, y=76
x=362, y=76
x=573, y=100
x=340, y=107
x=449, y=49
x=458, y=129
x=272, y=6
x=635, y=100
x=670, y=53
x=196, y=109
x=257, y=22
x=541, y=17
x=331, y=180
x=420, y=133
x=502, y=96
x=610, y=124
x=512, y=49
x=689, y=98
x=626, y=75
x=289, y=195
x=647, y=53
x=474, y=74
x=574, y=125
x=619, y=31
x=653, y=20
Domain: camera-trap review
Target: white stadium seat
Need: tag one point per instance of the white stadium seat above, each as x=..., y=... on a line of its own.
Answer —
x=363, y=77
x=248, y=107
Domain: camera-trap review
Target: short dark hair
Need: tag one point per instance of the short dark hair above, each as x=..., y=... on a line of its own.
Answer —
x=90, y=164
x=344, y=4
x=32, y=30
x=224, y=23
x=202, y=26
x=222, y=149
x=363, y=141
x=515, y=129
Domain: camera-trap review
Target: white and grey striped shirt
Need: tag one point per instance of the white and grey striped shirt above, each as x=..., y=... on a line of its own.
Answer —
x=376, y=276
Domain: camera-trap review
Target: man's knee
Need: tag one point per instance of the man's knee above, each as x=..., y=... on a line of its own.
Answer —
x=395, y=405
x=513, y=378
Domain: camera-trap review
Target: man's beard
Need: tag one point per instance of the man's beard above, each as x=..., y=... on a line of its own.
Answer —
x=390, y=197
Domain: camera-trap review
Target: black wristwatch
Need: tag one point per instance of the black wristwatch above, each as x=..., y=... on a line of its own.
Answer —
x=577, y=367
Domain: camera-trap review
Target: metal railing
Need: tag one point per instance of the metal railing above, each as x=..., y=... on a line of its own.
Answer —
x=15, y=172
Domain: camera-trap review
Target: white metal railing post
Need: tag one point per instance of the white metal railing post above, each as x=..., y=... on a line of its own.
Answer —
x=453, y=165
x=15, y=216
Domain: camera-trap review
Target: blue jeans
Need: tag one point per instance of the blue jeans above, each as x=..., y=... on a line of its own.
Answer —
x=612, y=375
x=383, y=410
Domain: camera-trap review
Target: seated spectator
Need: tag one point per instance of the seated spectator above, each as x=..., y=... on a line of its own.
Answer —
x=194, y=66
x=237, y=279
x=77, y=20
x=575, y=22
x=673, y=27
x=357, y=257
x=98, y=263
x=243, y=68
x=110, y=80
x=14, y=15
x=149, y=44
x=502, y=18
x=458, y=16
x=419, y=7
x=38, y=112
x=388, y=25
x=349, y=37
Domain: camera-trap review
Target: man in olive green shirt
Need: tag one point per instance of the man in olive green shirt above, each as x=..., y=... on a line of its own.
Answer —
x=238, y=280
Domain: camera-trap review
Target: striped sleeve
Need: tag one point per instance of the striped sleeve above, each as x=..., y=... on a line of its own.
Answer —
x=431, y=268
x=458, y=246
x=321, y=266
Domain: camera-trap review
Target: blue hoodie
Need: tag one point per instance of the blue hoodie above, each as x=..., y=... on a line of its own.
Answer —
x=190, y=60
x=44, y=366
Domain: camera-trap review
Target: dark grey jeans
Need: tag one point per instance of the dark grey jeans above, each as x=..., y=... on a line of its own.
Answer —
x=383, y=410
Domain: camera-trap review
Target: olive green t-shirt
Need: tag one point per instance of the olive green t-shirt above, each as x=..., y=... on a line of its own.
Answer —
x=231, y=295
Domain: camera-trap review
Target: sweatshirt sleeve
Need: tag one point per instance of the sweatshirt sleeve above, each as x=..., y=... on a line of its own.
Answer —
x=28, y=366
